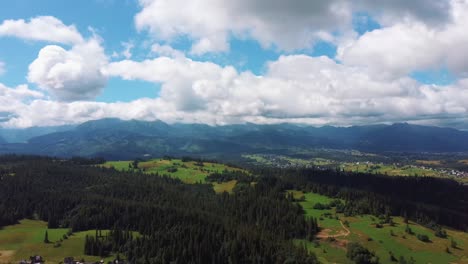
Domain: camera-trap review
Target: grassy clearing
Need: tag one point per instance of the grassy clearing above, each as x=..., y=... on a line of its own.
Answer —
x=27, y=238
x=189, y=172
x=118, y=165
x=224, y=186
x=327, y=253
x=380, y=240
x=326, y=218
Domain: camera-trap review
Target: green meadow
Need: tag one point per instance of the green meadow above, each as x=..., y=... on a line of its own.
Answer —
x=382, y=241
x=190, y=172
x=26, y=239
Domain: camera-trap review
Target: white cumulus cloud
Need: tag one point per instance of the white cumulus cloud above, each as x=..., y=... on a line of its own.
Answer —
x=67, y=74
x=286, y=24
x=14, y=100
x=42, y=28
x=434, y=13
x=412, y=45
x=70, y=75
x=165, y=50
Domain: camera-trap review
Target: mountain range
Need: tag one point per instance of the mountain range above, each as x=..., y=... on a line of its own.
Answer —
x=119, y=139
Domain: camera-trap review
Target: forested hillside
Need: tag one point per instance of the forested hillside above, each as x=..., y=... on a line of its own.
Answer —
x=177, y=222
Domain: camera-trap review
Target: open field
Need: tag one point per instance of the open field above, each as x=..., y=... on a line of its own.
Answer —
x=189, y=171
x=27, y=238
x=380, y=240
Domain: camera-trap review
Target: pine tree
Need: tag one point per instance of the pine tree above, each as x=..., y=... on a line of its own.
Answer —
x=46, y=237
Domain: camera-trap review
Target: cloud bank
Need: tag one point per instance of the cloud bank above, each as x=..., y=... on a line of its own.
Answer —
x=295, y=88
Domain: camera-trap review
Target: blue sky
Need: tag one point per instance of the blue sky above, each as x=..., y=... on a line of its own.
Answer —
x=331, y=62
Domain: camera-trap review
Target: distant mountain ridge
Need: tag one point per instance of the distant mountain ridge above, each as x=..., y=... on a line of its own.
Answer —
x=18, y=135
x=118, y=139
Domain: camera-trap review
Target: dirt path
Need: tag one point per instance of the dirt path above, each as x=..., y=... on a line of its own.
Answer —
x=324, y=233
x=345, y=228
